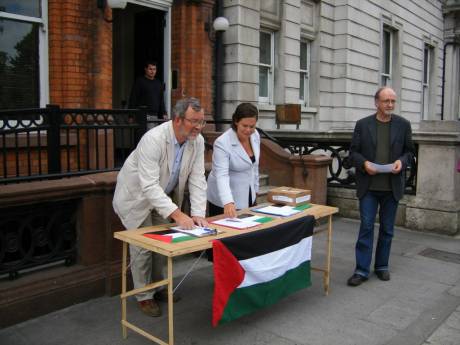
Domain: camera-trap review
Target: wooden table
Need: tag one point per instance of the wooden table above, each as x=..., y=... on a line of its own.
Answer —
x=171, y=250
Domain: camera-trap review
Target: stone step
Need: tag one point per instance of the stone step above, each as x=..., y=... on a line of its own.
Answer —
x=262, y=195
x=263, y=180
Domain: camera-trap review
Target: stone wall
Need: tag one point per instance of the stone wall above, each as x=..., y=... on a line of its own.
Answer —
x=96, y=271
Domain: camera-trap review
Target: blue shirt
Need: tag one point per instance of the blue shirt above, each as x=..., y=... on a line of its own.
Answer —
x=174, y=178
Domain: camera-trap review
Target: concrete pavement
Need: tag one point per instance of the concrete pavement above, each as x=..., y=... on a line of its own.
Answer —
x=419, y=305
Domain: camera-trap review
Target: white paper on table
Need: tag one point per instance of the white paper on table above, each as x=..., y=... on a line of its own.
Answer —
x=236, y=223
x=197, y=231
x=284, y=211
x=382, y=168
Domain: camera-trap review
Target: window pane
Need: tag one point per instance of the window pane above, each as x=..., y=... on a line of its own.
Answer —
x=426, y=58
x=263, y=81
x=386, y=51
x=23, y=7
x=19, y=72
x=265, y=48
x=302, y=86
x=303, y=56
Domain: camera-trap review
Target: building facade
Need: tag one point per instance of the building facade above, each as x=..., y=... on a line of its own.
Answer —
x=84, y=54
x=330, y=57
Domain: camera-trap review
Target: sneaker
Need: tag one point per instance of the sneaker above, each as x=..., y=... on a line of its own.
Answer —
x=356, y=280
x=150, y=307
x=162, y=296
x=383, y=275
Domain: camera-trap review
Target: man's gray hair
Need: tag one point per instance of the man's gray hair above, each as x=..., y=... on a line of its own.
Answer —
x=182, y=105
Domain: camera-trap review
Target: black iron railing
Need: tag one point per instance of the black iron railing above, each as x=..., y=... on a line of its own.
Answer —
x=341, y=173
x=53, y=142
x=35, y=236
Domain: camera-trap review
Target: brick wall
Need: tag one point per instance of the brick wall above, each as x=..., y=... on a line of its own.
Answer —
x=192, y=51
x=80, y=54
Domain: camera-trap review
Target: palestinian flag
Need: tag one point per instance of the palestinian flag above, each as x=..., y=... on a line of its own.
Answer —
x=259, y=268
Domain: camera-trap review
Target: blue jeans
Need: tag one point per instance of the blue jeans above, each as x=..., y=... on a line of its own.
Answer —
x=368, y=205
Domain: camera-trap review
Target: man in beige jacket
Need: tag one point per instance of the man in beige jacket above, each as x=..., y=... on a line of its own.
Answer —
x=150, y=189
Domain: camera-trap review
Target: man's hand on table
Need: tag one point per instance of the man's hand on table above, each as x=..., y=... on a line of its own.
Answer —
x=186, y=222
x=200, y=221
x=182, y=220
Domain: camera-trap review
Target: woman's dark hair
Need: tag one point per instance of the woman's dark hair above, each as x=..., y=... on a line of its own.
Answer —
x=242, y=111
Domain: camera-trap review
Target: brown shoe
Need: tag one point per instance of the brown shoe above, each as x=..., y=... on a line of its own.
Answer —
x=162, y=296
x=150, y=308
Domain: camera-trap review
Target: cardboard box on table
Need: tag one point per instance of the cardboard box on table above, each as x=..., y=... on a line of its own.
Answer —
x=289, y=196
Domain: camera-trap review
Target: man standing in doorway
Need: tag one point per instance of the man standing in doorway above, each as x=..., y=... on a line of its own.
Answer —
x=147, y=93
x=150, y=190
x=380, y=150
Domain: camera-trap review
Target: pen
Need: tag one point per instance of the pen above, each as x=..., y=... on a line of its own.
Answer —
x=210, y=230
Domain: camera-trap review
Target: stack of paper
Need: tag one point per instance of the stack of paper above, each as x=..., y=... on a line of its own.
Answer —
x=236, y=223
x=283, y=211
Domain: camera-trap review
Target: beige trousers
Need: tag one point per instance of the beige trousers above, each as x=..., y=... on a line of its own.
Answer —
x=147, y=267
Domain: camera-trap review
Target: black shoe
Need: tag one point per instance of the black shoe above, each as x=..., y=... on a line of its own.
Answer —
x=162, y=296
x=383, y=275
x=356, y=280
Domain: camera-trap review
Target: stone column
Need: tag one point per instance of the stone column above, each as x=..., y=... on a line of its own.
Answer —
x=451, y=105
x=436, y=205
x=452, y=82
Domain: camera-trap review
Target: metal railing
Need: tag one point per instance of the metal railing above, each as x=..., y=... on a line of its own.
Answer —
x=32, y=237
x=341, y=173
x=53, y=142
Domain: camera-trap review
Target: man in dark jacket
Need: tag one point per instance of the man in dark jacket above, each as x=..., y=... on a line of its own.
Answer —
x=147, y=92
x=380, y=150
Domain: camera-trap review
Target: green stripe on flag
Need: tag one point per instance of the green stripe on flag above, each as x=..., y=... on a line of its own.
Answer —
x=248, y=299
x=183, y=238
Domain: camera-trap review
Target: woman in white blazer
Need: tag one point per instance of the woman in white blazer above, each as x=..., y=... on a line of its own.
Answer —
x=234, y=179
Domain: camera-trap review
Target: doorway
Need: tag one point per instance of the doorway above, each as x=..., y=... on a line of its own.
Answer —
x=138, y=36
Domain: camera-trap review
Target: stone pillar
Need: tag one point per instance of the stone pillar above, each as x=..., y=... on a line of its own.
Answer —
x=451, y=82
x=436, y=205
x=241, y=46
x=451, y=105
x=310, y=172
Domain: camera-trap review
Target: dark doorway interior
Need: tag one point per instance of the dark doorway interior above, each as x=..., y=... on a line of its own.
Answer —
x=149, y=41
x=138, y=35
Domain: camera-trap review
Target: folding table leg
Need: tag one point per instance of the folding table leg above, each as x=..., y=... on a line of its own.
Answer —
x=170, y=301
x=123, y=289
x=327, y=273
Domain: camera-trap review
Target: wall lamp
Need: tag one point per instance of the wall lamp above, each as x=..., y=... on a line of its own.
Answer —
x=102, y=4
x=220, y=24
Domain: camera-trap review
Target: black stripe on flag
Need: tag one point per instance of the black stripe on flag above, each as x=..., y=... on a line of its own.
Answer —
x=265, y=241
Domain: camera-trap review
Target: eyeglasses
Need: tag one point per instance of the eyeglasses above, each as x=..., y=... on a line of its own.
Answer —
x=388, y=101
x=195, y=122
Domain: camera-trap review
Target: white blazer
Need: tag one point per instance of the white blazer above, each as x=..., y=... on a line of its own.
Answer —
x=232, y=172
x=145, y=174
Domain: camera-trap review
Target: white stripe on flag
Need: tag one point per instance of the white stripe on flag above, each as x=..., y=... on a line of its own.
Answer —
x=264, y=268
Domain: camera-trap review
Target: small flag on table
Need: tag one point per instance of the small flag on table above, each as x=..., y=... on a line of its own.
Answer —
x=257, y=269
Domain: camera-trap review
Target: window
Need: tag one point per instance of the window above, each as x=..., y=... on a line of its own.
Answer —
x=304, y=87
x=266, y=57
x=387, y=56
x=428, y=52
x=23, y=54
